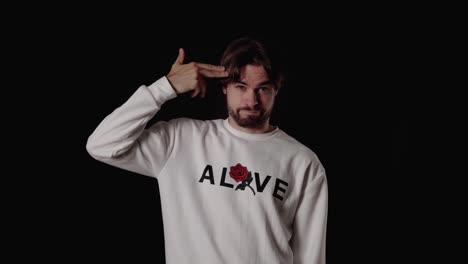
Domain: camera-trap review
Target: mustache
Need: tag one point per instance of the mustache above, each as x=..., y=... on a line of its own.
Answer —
x=249, y=108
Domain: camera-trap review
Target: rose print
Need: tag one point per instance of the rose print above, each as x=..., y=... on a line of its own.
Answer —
x=238, y=172
x=241, y=174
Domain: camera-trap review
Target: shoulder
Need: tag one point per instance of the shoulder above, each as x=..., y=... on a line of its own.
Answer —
x=184, y=122
x=302, y=156
x=188, y=124
x=298, y=148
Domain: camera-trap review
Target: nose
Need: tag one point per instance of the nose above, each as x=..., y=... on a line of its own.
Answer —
x=251, y=98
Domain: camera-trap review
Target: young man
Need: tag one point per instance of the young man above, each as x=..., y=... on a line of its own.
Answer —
x=234, y=190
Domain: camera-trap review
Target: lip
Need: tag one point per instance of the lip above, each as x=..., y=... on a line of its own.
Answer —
x=250, y=112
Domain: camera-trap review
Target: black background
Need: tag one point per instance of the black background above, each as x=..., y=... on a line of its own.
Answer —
x=347, y=97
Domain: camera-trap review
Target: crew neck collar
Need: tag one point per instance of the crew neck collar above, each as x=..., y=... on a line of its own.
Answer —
x=249, y=136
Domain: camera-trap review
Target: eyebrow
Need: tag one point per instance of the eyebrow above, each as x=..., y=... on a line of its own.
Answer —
x=261, y=84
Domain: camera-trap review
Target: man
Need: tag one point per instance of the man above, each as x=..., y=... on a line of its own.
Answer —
x=234, y=190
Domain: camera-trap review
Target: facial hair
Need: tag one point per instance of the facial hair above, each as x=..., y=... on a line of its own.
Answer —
x=251, y=121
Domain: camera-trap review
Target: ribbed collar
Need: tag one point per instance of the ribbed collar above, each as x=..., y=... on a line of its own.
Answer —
x=250, y=136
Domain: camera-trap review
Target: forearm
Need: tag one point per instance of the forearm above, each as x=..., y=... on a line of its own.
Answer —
x=120, y=129
x=310, y=224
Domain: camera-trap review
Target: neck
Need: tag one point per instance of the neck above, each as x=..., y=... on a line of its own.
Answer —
x=264, y=128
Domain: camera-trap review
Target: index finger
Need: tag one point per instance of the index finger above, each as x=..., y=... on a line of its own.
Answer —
x=209, y=66
x=213, y=74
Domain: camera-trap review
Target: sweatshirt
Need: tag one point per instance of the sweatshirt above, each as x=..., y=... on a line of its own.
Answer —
x=227, y=196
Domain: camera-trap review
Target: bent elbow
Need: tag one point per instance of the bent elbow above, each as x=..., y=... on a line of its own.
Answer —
x=93, y=148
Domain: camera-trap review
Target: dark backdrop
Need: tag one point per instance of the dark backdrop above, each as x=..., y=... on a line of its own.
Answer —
x=346, y=98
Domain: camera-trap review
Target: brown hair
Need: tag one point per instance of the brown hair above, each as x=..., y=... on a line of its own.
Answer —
x=244, y=51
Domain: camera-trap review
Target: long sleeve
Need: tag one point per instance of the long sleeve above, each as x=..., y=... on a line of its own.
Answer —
x=121, y=139
x=310, y=222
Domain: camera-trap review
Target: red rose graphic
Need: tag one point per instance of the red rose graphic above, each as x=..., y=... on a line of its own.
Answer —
x=238, y=172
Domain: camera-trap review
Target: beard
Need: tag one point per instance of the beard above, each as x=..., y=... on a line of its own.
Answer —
x=252, y=120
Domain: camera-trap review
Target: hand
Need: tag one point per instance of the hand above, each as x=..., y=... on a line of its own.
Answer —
x=191, y=76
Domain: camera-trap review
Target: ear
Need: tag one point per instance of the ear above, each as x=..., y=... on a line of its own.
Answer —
x=224, y=90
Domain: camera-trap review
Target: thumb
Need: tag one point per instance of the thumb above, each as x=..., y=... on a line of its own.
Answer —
x=180, y=57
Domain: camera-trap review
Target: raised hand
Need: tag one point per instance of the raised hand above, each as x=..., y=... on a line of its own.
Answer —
x=191, y=76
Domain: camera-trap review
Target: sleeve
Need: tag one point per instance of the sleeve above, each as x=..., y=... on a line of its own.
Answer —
x=121, y=139
x=310, y=222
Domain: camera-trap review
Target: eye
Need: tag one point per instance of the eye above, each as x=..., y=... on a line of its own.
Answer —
x=240, y=86
x=264, y=89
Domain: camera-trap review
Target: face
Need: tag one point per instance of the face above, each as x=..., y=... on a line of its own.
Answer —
x=251, y=99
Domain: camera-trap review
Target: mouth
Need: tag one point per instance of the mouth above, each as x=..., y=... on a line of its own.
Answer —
x=251, y=111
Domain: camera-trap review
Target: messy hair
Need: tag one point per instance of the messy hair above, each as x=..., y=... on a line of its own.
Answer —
x=244, y=51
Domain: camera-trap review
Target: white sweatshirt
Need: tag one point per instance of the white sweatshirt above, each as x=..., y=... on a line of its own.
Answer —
x=227, y=197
